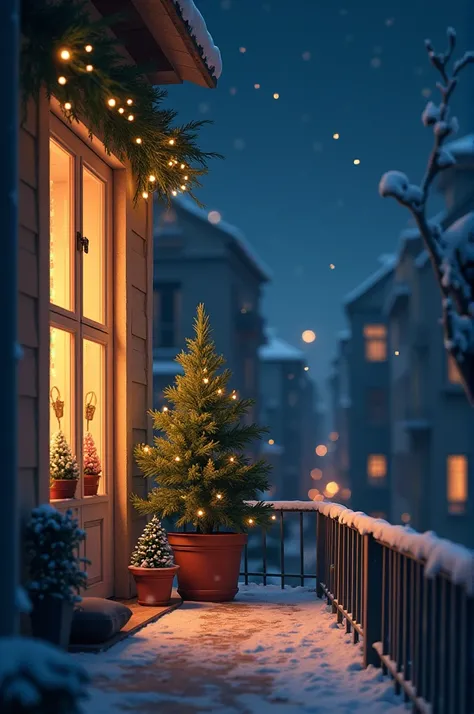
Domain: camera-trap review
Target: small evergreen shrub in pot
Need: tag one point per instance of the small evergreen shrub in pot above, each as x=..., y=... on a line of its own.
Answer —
x=152, y=565
x=92, y=466
x=63, y=468
x=56, y=573
x=204, y=478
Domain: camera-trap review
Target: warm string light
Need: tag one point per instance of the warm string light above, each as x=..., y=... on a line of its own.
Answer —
x=206, y=380
x=250, y=521
x=274, y=518
x=138, y=140
x=200, y=512
x=146, y=449
x=88, y=48
x=65, y=54
x=177, y=458
x=165, y=409
x=62, y=80
x=219, y=391
x=219, y=496
x=89, y=68
x=68, y=106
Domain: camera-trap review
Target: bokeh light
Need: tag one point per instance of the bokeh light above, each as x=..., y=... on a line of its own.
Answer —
x=308, y=336
x=333, y=436
x=214, y=217
x=312, y=493
x=321, y=450
x=316, y=474
x=332, y=488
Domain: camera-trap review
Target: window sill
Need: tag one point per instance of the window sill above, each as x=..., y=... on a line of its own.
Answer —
x=99, y=498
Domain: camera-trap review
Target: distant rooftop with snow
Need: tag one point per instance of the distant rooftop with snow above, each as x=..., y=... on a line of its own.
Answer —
x=388, y=263
x=198, y=30
x=187, y=204
x=277, y=350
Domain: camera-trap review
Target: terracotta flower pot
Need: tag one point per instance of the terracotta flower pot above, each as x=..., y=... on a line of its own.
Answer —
x=154, y=585
x=63, y=488
x=209, y=565
x=91, y=484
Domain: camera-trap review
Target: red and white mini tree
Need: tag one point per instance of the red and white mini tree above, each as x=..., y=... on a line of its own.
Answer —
x=92, y=465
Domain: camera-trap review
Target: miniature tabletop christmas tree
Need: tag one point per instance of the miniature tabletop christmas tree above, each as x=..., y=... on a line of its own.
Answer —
x=203, y=476
x=62, y=462
x=92, y=466
x=152, y=549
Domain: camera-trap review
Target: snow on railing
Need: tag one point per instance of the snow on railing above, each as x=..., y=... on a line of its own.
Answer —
x=440, y=555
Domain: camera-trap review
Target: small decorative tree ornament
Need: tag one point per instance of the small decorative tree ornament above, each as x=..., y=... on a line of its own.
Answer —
x=91, y=464
x=63, y=468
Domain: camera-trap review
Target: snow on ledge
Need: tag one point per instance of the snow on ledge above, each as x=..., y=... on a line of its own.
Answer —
x=198, y=30
x=439, y=554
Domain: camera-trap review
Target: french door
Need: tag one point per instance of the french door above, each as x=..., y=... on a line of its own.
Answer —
x=81, y=334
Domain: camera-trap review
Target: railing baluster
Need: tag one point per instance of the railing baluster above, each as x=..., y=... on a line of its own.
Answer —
x=398, y=612
x=301, y=549
x=405, y=622
x=282, y=550
x=384, y=621
x=321, y=553
x=437, y=626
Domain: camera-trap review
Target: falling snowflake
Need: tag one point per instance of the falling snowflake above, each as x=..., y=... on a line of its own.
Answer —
x=256, y=86
x=242, y=50
x=426, y=92
x=306, y=56
x=203, y=108
x=214, y=217
x=332, y=266
x=375, y=62
x=226, y=4
x=389, y=21
x=239, y=144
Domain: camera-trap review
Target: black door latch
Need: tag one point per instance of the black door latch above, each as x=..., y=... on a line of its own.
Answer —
x=82, y=243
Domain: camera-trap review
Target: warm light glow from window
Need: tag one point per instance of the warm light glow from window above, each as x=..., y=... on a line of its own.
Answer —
x=454, y=375
x=457, y=483
x=377, y=466
x=308, y=336
x=333, y=436
x=332, y=488
x=375, y=343
x=95, y=395
x=61, y=376
x=316, y=474
x=61, y=212
x=321, y=450
x=93, y=262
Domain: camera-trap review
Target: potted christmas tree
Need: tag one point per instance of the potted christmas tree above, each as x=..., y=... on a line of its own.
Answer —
x=56, y=572
x=92, y=467
x=152, y=565
x=63, y=468
x=203, y=477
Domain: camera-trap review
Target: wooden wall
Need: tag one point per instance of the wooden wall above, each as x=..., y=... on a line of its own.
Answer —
x=33, y=297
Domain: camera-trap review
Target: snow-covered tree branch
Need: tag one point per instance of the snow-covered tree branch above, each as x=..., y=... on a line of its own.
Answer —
x=451, y=251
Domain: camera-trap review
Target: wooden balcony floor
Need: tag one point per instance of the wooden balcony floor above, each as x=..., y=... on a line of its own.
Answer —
x=268, y=651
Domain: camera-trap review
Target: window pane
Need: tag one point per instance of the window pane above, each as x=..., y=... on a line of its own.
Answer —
x=93, y=226
x=61, y=212
x=377, y=467
x=375, y=350
x=94, y=401
x=375, y=331
x=457, y=483
x=61, y=377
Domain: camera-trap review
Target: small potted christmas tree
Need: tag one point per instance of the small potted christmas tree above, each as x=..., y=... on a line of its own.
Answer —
x=152, y=565
x=63, y=468
x=204, y=478
x=92, y=467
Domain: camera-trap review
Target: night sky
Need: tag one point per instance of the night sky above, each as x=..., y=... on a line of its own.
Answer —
x=358, y=69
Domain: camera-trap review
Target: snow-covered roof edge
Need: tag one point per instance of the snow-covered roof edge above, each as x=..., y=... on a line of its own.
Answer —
x=197, y=29
x=439, y=554
x=186, y=204
x=385, y=269
x=277, y=350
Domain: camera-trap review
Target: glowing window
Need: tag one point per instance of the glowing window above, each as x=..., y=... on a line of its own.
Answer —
x=94, y=396
x=93, y=262
x=61, y=375
x=456, y=469
x=61, y=217
x=454, y=375
x=377, y=467
x=375, y=337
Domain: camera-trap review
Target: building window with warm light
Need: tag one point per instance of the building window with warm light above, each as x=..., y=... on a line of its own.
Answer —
x=80, y=311
x=377, y=468
x=454, y=376
x=375, y=338
x=166, y=314
x=457, y=480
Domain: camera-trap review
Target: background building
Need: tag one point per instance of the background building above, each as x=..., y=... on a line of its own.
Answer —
x=202, y=259
x=287, y=407
x=366, y=357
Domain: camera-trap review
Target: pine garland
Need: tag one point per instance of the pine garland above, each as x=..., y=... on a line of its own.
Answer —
x=152, y=549
x=78, y=61
x=203, y=477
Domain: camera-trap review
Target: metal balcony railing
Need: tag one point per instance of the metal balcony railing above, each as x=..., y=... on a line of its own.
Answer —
x=409, y=597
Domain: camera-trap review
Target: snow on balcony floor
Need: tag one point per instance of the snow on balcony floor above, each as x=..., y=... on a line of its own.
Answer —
x=268, y=651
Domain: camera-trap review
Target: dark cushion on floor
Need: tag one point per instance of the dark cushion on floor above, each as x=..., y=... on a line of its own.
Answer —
x=96, y=620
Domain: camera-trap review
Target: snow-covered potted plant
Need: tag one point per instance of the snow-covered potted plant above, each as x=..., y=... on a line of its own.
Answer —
x=92, y=466
x=63, y=468
x=204, y=476
x=152, y=565
x=55, y=572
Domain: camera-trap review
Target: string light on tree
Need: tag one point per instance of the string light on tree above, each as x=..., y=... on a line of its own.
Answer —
x=145, y=194
x=129, y=102
x=200, y=513
x=62, y=80
x=111, y=102
x=88, y=48
x=146, y=449
x=219, y=496
x=68, y=106
x=65, y=54
x=89, y=67
x=177, y=458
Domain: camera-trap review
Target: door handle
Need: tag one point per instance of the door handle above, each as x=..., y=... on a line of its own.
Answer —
x=82, y=243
